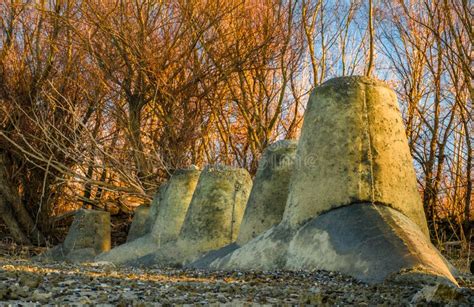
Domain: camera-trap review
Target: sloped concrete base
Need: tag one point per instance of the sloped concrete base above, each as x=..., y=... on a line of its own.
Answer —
x=208, y=258
x=173, y=254
x=266, y=252
x=131, y=250
x=373, y=243
x=370, y=242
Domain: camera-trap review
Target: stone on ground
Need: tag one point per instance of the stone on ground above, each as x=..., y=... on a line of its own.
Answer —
x=88, y=236
x=139, y=226
x=213, y=219
x=439, y=294
x=170, y=208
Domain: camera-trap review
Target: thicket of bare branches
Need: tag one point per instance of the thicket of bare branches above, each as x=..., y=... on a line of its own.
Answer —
x=101, y=100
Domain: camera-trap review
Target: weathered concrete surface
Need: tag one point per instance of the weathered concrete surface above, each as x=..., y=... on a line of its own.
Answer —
x=353, y=205
x=353, y=148
x=139, y=226
x=267, y=198
x=267, y=251
x=175, y=198
x=88, y=236
x=370, y=242
x=217, y=208
x=153, y=213
x=205, y=260
x=270, y=190
x=80, y=255
x=213, y=219
x=130, y=250
x=90, y=229
x=169, y=208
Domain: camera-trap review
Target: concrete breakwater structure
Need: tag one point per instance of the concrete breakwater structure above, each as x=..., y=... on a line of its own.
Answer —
x=165, y=218
x=139, y=226
x=267, y=198
x=269, y=191
x=144, y=218
x=88, y=236
x=355, y=207
x=213, y=219
x=344, y=198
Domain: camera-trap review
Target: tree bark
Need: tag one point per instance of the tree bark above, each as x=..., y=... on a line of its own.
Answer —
x=135, y=109
x=370, y=64
x=10, y=221
x=12, y=200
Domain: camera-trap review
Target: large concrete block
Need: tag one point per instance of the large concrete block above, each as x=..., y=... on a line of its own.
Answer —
x=166, y=217
x=268, y=251
x=270, y=190
x=90, y=229
x=88, y=236
x=153, y=212
x=213, y=219
x=267, y=198
x=175, y=198
x=373, y=243
x=139, y=226
x=353, y=148
x=144, y=218
x=353, y=205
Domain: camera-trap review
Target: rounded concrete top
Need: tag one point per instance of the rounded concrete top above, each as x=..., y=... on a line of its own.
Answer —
x=222, y=168
x=282, y=144
x=348, y=81
x=193, y=167
x=353, y=148
x=187, y=170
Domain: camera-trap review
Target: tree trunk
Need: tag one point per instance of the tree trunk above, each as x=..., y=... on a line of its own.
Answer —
x=370, y=64
x=10, y=221
x=88, y=186
x=467, y=206
x=135, y=109
x=12, y=199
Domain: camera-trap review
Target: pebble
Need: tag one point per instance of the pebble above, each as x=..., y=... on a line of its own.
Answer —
x=73, y=284
x=41, y=297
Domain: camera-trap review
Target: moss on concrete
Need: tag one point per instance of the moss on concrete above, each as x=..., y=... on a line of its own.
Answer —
x=88, y=236
x=174, y=200
x=353, y=148
x=139, y=226
x=213, y=219
x=269, y=191
x=167, y=214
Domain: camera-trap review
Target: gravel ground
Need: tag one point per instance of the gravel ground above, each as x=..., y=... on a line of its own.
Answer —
x=24, y=282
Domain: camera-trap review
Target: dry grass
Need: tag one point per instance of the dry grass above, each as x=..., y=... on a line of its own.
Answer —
x=11, y=250
x=458, y=254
